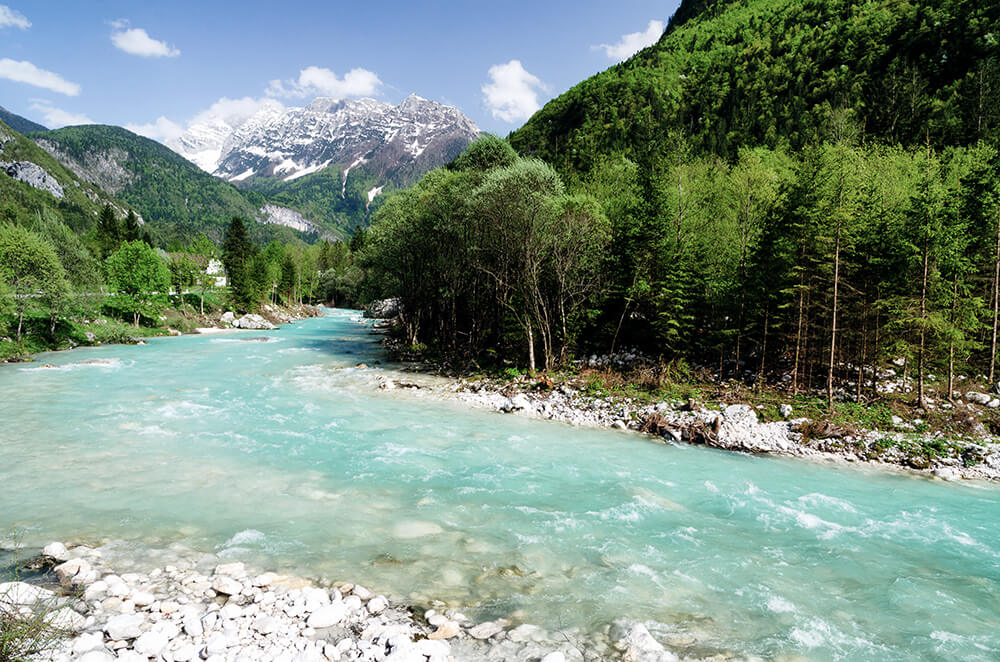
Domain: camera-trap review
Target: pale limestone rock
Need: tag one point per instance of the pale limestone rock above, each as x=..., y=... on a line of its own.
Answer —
x=327, y=616
x=57, y=551
x=124, y=626
x=446, y=630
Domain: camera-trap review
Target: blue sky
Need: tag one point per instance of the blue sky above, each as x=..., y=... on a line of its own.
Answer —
x=157, y=66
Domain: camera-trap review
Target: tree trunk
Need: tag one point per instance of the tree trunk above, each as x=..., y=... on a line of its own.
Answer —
x=203, y=301
x=951, y=342
x=135, y=319
x=996, y=305
x=923, y=327
x=20, y=324
x=875, y=351
x=763, y=351
x=531, y=349
x=833, y=327
x=864, y=349
x=798, y=335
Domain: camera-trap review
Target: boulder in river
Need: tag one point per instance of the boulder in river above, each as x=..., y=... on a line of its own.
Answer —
x=253, y=321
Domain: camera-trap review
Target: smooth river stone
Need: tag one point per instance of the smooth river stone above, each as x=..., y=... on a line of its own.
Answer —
x=125, y=626
x=226, y=585
x=327, y=616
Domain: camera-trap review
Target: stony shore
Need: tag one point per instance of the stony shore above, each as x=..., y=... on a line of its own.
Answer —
x=734, y=428
x=268, y=319
x=178, y=605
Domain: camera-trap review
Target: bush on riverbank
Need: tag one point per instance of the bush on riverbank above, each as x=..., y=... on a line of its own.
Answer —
x=31, y=618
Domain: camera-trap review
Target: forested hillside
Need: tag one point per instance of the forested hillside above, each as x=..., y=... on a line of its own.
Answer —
x=18, y=123
x=786, y=74
x=72, y=201
x=323, y=197
x=174, y=196
x=794, y=193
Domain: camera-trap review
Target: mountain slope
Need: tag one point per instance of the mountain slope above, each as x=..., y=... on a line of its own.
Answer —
x=33, y=182
x=332, y=158
x=783, y=72
x=18, y=123
x=288, y=143
x=175, y=197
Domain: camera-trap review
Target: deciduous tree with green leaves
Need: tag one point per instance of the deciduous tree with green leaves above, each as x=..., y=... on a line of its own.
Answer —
x=32, y=273
x=139, y=279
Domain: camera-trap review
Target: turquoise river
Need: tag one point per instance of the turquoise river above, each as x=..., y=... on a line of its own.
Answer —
x=284, y=453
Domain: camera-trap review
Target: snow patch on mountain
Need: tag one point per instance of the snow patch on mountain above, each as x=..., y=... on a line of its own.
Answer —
x=397, y=142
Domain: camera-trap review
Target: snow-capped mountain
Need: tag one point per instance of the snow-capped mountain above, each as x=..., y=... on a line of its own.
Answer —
x=394, y=143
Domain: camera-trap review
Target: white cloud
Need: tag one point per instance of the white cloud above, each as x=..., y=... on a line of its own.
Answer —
x=57, y=117
x=512, y=93
x=632, y=43
x=319, y=81
x=26, y=72
x=137, y=41
x=234, y=112
x=13, y=18
x=162, y=130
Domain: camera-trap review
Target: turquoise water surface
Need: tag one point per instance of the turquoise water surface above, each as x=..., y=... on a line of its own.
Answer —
x=283, y=453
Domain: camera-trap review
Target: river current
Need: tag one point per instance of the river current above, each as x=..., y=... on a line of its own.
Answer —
x=276, y=448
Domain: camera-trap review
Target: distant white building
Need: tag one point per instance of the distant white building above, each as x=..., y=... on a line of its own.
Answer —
x=216, y=269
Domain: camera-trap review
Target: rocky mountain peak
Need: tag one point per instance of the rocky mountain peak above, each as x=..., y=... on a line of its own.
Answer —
x=288, y=143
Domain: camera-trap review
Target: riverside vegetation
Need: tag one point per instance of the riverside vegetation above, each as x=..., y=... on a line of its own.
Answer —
x=755, y=206
x=59, y=289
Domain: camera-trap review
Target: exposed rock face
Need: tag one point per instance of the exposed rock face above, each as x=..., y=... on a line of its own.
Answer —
x=102, y=168
x=33, y=175
x=287, y=217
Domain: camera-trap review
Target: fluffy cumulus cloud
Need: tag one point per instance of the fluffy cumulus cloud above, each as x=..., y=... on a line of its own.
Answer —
x=319, y=81
x=231, y=112
x=632, y=43
x=25, y=72
x=11, y=18
x=162, y=130
x=511, y=94
x=137, y=41
x=234, y=112
x=54, y=118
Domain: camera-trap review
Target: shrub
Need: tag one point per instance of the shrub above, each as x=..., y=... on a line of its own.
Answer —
x=33, y=620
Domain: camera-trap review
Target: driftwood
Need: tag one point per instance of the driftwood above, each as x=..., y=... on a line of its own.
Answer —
x=696, y=432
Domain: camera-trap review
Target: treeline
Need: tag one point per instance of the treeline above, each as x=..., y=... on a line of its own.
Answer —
x=490, y=256
x=58, y=287
x=810, y=267
x=289, y=273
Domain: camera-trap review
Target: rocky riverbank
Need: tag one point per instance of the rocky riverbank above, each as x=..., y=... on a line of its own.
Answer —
x=269, y=318
x=728, y=425
x=178, y=605
x=737, y=427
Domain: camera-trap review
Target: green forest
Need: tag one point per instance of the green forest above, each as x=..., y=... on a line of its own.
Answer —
x=776, y=192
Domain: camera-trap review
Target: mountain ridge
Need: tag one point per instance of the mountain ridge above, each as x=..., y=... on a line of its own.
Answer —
x=18, y=123
x=727, y=75
x=289, y=143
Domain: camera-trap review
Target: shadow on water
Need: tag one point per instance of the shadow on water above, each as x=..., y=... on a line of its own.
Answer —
x=18, y=564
